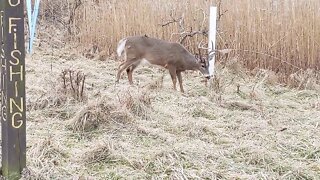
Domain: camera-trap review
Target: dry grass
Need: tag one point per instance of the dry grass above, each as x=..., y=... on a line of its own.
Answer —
x=100, y=113
x=241, y=126
x=47, y=154
x=139, y=104
x=100, y=154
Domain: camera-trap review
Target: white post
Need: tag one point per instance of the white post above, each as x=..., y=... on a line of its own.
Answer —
x=212, y=38
x=33, y=24
x=29, y=12
x=32, y=21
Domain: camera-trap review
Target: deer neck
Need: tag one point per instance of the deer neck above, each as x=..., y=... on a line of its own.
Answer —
x=193, y=64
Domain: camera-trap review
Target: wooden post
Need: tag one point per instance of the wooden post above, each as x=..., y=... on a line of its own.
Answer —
x=13, y=106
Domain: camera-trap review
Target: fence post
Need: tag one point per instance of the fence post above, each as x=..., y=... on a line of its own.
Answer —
x=13, y=106
x=212, y=38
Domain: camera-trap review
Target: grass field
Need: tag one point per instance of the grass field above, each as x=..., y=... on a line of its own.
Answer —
x=243, y=125
x=258, y=118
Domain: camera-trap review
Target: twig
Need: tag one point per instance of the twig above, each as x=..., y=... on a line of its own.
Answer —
x=83, y=80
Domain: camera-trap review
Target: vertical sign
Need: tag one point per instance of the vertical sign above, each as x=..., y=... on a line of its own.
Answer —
x=13, y=107
x=212, y=38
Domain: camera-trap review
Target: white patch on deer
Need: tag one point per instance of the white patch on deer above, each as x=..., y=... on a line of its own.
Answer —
x=121, y=46
x=145, y=62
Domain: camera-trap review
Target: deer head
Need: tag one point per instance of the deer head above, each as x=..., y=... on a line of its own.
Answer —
x=203, y=61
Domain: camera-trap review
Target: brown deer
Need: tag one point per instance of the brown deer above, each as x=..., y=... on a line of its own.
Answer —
x=172, y=56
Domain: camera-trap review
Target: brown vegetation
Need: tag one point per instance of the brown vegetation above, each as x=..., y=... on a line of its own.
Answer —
x=279, y=35
x=244, y=125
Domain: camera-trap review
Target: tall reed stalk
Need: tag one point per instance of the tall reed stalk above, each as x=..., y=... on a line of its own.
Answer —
x=282, y=35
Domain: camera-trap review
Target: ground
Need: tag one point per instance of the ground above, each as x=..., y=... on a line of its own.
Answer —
x=238, y=126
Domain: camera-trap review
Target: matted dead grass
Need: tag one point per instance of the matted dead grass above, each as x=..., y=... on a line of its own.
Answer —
x=99, y=113
x=243, y=125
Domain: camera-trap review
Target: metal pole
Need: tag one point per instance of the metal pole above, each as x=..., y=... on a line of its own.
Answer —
x=13, y=106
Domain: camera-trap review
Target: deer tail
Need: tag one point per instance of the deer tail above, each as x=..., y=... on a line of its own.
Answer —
x=121, y=46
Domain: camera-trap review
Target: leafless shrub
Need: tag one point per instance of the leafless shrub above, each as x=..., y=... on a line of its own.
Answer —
x=74, y=6
x=61, y=12
x=73, y=83
x=183, y=33
x=55, y=11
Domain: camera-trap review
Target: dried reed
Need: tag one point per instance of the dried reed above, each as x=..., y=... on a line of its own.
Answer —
x=279, y=35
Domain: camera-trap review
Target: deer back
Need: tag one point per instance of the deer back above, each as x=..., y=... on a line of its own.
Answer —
x=160, y=52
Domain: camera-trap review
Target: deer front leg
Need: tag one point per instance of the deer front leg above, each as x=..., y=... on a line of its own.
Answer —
x=180, y=81
x=173, y=74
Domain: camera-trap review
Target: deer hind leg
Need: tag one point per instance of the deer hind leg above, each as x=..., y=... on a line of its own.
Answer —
x=130, y=71
x=121, y=65
x=124, y=66
x=173, y=74
x=180, y=81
